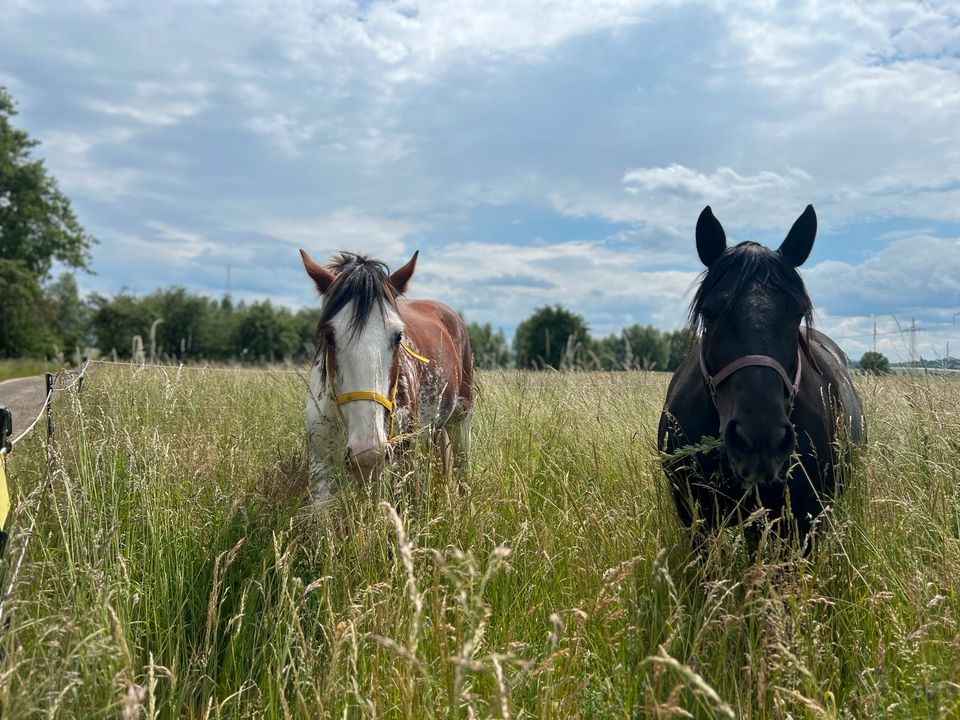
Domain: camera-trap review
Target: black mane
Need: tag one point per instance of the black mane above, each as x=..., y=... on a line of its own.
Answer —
x=744, y=264
x=362, y=280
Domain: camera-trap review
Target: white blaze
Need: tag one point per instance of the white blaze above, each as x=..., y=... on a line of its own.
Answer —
x=363, y=363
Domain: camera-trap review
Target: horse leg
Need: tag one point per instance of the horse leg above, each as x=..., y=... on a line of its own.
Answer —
x=323, y=481
x=443, y=443
x=460, y=445
x=325, y=450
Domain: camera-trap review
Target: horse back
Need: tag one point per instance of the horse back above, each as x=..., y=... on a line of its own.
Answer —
x=441, y=335
x=832, y=374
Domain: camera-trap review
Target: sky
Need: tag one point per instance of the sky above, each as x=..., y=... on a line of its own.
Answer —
x=535, y=152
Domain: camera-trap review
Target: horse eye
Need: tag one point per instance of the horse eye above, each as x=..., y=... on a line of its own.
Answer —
x=329, y=338
x=397, y=338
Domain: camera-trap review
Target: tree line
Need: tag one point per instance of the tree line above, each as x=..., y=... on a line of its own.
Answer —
x=174, y=324
x=555, y=337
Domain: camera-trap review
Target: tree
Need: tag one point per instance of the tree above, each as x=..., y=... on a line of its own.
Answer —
x=182, y=314
x=116, y=320
x=552, y=337
x=489, y=348
x=679, y=343
x=25, y=314
x=305, y=325
x=37, y=224
x=216, y=331
x=636, y=347
x=71, y=316
x=875, y=363
x=267, y=334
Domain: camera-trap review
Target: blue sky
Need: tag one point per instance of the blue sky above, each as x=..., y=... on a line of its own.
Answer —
x=535, y=152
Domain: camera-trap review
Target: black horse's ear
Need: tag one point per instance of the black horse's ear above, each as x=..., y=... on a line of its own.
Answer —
x=711, y=240
x=796, y=247
x=401, y=276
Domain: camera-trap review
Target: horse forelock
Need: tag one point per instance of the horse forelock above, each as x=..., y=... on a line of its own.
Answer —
x=359, y=280
x=742, y=267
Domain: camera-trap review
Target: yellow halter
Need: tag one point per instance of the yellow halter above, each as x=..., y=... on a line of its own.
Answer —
x=388, y=402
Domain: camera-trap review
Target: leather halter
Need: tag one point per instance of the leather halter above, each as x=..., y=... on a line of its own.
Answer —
x=793, y=387
x=388, y=402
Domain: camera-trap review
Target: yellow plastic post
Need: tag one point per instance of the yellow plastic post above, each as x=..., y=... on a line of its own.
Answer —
x=4, y=494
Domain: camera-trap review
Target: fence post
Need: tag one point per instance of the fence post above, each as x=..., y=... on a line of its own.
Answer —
x=48, y=403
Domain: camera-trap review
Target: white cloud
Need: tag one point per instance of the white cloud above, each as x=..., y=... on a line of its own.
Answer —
x=345, y=229
x=180, y=246
x=155, y=103
x=611, y=289
x=70, y=158
x=285, y=131
x=912, y=272
x=366, y=125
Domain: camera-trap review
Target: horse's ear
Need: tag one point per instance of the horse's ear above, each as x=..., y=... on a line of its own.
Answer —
x=711, y=240
x=401, y=276
x=796, y=247
x=322, y=277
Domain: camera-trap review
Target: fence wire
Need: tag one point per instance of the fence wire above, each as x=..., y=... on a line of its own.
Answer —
x=47, y=480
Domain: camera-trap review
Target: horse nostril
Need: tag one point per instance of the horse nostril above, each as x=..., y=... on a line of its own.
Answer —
x=784, y=439
x=735, y=438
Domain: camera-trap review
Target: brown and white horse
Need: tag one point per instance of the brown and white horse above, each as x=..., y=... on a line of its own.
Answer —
x=389, y=373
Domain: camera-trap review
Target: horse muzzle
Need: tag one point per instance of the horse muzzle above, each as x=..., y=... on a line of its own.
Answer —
x=757, y=453
x=368, y=457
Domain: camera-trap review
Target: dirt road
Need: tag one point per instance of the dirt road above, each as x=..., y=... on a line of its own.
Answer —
x=24, y=397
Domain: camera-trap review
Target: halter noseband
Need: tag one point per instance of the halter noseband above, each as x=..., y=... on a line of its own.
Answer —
x=714, y=381
x=388, y=402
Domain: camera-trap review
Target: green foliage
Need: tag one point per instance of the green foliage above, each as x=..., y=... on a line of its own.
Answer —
x=200, y=328
x=552, y=337
x=638, y=347
x=875, y=363
x=71, y=316
x=116, y=320
x=177, y=570
x=10, y=369
x=37, y=224
x=25, y=314
x=643, y=347
x=679, y=344
x=490, y=350
x=265, y=334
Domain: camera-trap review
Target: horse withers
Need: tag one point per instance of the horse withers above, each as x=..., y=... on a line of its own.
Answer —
x=388, y=373
x=761, y=414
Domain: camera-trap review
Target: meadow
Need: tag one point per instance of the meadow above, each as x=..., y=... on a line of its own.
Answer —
x=177, y=570
x=11, y=369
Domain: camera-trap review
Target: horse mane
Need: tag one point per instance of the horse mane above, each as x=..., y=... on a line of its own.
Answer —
x=362, y=280
x=747, y=263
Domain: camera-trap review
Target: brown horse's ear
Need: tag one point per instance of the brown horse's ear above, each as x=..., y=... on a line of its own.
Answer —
x=401, y=276
x=711, y=240
x=796, y=247
x=322, y=277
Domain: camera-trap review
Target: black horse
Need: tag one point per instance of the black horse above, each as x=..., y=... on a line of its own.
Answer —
x=761, y=413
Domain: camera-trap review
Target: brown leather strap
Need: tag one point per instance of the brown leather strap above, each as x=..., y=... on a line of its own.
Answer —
x=714, y=381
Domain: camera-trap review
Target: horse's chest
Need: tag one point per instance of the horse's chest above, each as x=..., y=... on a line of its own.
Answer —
x=431, y=395
x=325, y=428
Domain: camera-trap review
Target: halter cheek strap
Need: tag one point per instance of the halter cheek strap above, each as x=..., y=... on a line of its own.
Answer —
x=388, y=402
x=793, y=386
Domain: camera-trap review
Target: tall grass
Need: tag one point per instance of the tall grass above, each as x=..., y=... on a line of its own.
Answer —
x=177, y=571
